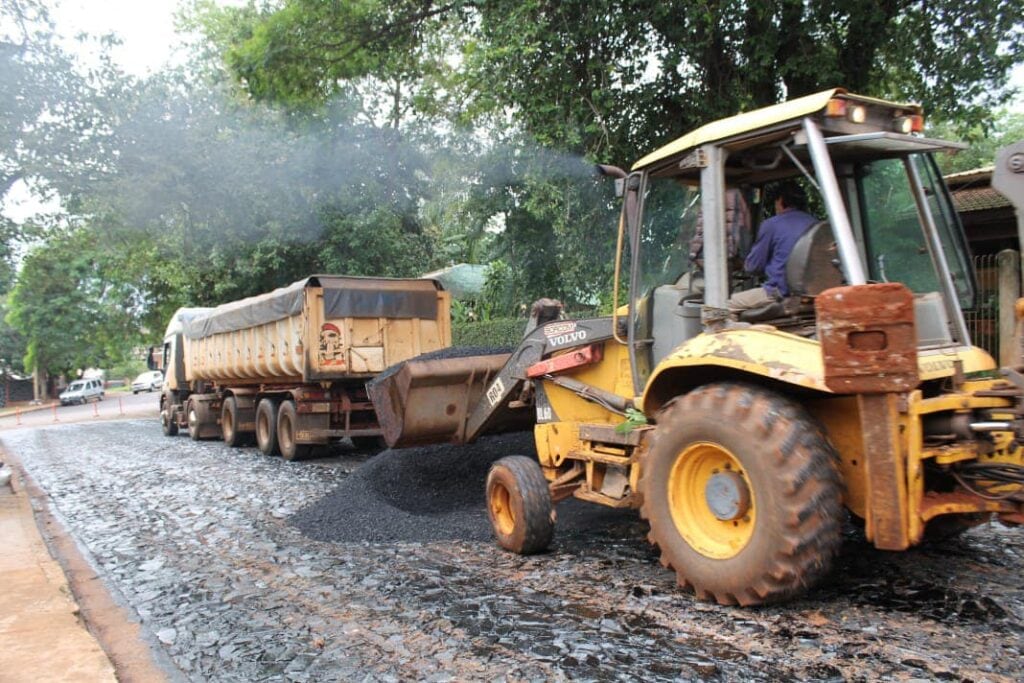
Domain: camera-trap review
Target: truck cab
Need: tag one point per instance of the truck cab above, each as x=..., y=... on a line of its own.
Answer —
x=170, y=358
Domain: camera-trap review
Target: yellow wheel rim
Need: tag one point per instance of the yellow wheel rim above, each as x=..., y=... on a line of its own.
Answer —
x=501, y=509
x=711, y=500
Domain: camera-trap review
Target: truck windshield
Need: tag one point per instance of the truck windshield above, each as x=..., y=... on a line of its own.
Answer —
x=894, y=237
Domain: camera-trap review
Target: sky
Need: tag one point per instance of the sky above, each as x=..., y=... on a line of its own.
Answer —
x=146, y=28
x=148, y=41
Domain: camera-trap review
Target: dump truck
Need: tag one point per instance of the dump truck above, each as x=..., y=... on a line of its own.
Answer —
x=747, y=440
x=287, y=369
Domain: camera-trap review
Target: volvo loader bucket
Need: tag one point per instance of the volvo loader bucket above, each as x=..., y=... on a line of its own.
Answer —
x=429, y=401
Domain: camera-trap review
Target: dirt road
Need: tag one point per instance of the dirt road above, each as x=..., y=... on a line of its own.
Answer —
x=201, y=541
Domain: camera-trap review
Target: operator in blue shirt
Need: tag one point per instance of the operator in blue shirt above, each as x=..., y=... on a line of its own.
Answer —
x=775, y=240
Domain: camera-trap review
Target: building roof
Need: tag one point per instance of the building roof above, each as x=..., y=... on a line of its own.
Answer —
x=979, y=199
x=973, y=175
x=972, y=191
x=463, y=280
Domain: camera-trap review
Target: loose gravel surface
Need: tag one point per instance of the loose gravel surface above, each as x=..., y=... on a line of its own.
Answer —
x=250, y=568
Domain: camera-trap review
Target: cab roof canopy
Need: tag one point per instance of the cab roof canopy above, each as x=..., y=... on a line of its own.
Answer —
x=765, y=128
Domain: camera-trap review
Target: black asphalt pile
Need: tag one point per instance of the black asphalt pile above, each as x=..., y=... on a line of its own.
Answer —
x=430, y=493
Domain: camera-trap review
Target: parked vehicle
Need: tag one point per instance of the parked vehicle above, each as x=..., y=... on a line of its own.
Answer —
x=148, y=381
x=81, y=390
x=288, y=369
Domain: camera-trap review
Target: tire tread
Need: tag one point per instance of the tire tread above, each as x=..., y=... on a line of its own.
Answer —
x=802, y=456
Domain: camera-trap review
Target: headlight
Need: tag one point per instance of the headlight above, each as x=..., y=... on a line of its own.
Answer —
x=913, y=123
x=854, y=113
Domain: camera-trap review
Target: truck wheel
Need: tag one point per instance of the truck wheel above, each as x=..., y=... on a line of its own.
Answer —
x=167, y=421
x=743, y=494
x=193, y=421
x=266, y=426
x=519, y=505
x=287, y=421
x=229, y=424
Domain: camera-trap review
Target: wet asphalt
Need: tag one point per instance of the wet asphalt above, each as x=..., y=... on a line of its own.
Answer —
x=363, y=567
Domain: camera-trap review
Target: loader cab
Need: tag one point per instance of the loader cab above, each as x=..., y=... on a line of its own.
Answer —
x=885, y=213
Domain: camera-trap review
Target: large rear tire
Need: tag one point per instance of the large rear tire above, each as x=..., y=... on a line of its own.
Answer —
x=519, y=505
x=287, y=430
x=266, y=426
x=229, y=423
x=743, y=494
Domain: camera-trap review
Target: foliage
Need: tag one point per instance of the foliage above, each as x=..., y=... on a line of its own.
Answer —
x=12, y=345
x=634, y=419
x=608, y=78
x=53, y=116
x=390, y=138
x=495, y=333
x=72, y=308
x=1006, y=128
x=127, y=370
x=604, y=80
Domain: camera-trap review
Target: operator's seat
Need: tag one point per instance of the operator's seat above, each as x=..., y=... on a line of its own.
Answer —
x=811, y=268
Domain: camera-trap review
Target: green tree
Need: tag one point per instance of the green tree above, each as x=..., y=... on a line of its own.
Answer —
x=607, y=77
x=984, y=141
x=71, y=306
x=605, y=81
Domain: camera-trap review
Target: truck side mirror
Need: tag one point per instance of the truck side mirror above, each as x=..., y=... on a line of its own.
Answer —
x=155, y=357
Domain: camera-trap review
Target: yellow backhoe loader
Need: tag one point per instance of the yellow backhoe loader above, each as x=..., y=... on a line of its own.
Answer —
x=744, y=437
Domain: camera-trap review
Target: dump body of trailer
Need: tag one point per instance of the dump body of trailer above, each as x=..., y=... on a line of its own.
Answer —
x=322, y=329
x=288, y=368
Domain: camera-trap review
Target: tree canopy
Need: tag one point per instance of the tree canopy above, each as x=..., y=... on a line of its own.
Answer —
x=393, y=138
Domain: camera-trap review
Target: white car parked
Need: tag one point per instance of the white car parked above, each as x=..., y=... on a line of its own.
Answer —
x=148, y=381
x=81, y=390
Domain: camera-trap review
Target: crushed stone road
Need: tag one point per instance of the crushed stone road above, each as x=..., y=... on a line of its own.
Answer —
x=216, y=549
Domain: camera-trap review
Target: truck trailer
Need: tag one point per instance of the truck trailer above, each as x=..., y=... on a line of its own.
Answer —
x=287, y=369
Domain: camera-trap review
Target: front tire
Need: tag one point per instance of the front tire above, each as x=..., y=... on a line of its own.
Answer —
x=519, y=505
x=168, y=423
x=287, y=430
x=743, y=494
x=193, y=421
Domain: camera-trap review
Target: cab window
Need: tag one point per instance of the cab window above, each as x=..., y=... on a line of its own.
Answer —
x=896, y=247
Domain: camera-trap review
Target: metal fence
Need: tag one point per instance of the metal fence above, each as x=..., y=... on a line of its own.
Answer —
x=983, y=319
